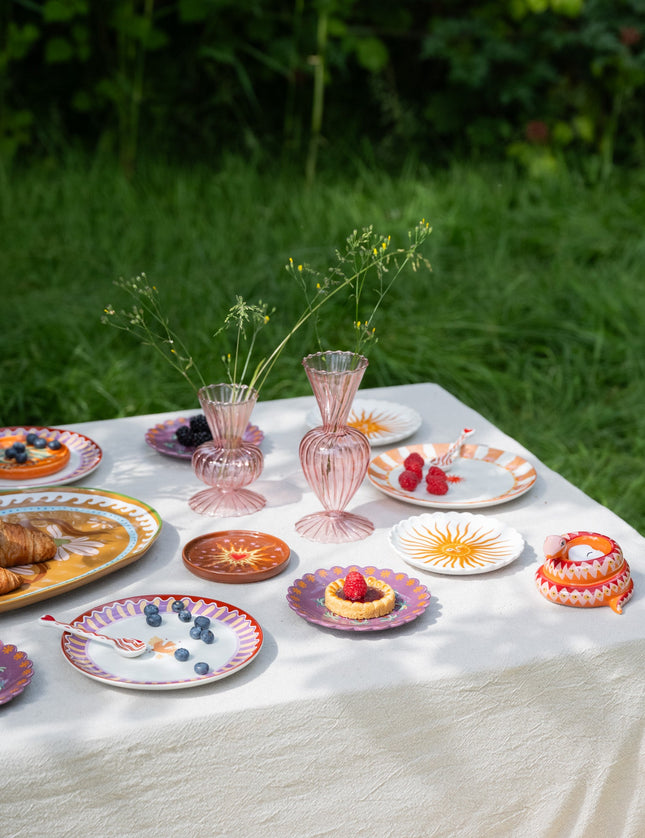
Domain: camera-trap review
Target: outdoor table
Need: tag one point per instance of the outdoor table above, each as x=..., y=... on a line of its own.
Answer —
x=494, y=713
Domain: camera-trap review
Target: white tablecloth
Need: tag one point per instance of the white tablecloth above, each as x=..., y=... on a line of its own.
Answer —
x=495, y=713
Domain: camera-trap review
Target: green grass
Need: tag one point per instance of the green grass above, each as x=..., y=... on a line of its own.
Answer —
x=532, y=313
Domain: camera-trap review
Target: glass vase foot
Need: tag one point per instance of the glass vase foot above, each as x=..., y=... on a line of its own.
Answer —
x=222, y=504
x=334, y=527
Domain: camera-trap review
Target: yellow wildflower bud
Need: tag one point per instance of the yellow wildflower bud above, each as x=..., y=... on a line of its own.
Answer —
x=300, y=268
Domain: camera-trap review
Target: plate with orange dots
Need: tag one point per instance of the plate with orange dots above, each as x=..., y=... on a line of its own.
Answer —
x=383, y=423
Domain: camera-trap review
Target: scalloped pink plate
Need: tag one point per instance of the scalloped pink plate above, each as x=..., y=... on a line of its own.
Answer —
x=307, y=598
x=162, y=438
x=84, y=456
x=16, y=671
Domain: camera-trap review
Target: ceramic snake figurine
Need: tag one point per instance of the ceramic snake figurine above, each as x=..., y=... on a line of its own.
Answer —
x=584, y=569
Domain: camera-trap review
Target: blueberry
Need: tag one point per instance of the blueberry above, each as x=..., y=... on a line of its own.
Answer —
x=21, y=457
x=178, y=605
x=40, y=442
x=182, y=654
x=208, y=636
x=196, y=632
x=151, y=608
x=19, y=447
x=153, y=620
x=31, y=438
x=10, y=453
x=201, y=668
x=202, y=622
x=54, y=444
x=185, y=616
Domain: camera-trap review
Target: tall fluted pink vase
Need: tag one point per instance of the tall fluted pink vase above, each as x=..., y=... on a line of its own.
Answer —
x=227, y=464
x=334, y=457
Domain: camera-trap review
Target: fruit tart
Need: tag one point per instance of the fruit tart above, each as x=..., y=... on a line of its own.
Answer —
x=359, y=598
x=26, y=456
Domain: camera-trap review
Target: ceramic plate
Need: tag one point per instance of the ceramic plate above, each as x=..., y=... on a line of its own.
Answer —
x=16, y=671
x=479, y=477
x=307, y=598
x=236, y=556
x=162, y=438
x=84, y=456
x=456, y=543
x=238, y=639
x=96, y=532
x=382, y=422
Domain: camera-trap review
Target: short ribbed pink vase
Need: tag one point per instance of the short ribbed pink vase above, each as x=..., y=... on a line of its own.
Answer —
x=334, y=457
x=227, y=464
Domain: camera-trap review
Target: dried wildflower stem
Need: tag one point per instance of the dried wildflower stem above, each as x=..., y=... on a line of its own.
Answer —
x=365, y=252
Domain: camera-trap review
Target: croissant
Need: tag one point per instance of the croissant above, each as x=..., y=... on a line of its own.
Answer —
x=9, y=581
x=19, y=545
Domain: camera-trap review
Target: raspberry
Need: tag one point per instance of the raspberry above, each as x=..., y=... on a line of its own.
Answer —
x=436, y=485
x=409, y=480
x=355, y=586
x=435, y=471
x=413, y=462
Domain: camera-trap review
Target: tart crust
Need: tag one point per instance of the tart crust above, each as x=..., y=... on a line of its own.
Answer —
x=360, y=610
x=41, y=461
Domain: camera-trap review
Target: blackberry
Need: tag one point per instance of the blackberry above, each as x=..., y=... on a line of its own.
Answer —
x=198, y=423
x=199, y=437
x=184, y=436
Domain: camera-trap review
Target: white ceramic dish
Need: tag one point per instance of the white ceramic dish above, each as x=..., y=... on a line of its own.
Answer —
x=480, y=476
x=238, y=639
x=383, y=423
x=456, y=543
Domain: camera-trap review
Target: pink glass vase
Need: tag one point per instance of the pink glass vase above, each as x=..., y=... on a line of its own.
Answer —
x=334, y=457
x=227, y=464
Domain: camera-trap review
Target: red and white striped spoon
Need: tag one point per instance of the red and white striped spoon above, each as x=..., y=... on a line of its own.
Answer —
x=129, y=647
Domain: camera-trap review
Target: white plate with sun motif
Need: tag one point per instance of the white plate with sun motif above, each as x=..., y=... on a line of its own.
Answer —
x=383, y=423
x=456, y=543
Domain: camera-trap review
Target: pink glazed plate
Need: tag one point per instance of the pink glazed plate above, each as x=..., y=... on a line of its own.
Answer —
x=307, y=598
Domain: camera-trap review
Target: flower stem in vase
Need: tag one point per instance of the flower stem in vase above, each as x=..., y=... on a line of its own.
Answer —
x=227, y=464
x=334, y=457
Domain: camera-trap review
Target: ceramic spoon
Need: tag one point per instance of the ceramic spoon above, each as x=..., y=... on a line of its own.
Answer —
x=126, y=646
x=454, y=448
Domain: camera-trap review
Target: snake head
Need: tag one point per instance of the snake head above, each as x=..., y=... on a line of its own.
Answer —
x=555, y=547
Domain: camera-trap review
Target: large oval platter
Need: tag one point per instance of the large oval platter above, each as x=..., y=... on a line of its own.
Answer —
x=237, y=640
x=96, y=533
x=84, y=456
x=480, y=476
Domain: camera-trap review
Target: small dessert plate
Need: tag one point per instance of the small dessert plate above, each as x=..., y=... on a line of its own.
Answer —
x=307, y=598
x=16, y=672
x=84, y=456
x=236, y=556
x=237, y=638
x=480, y=476
x=162, y=438
x=456, y=543
x=383, y=423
